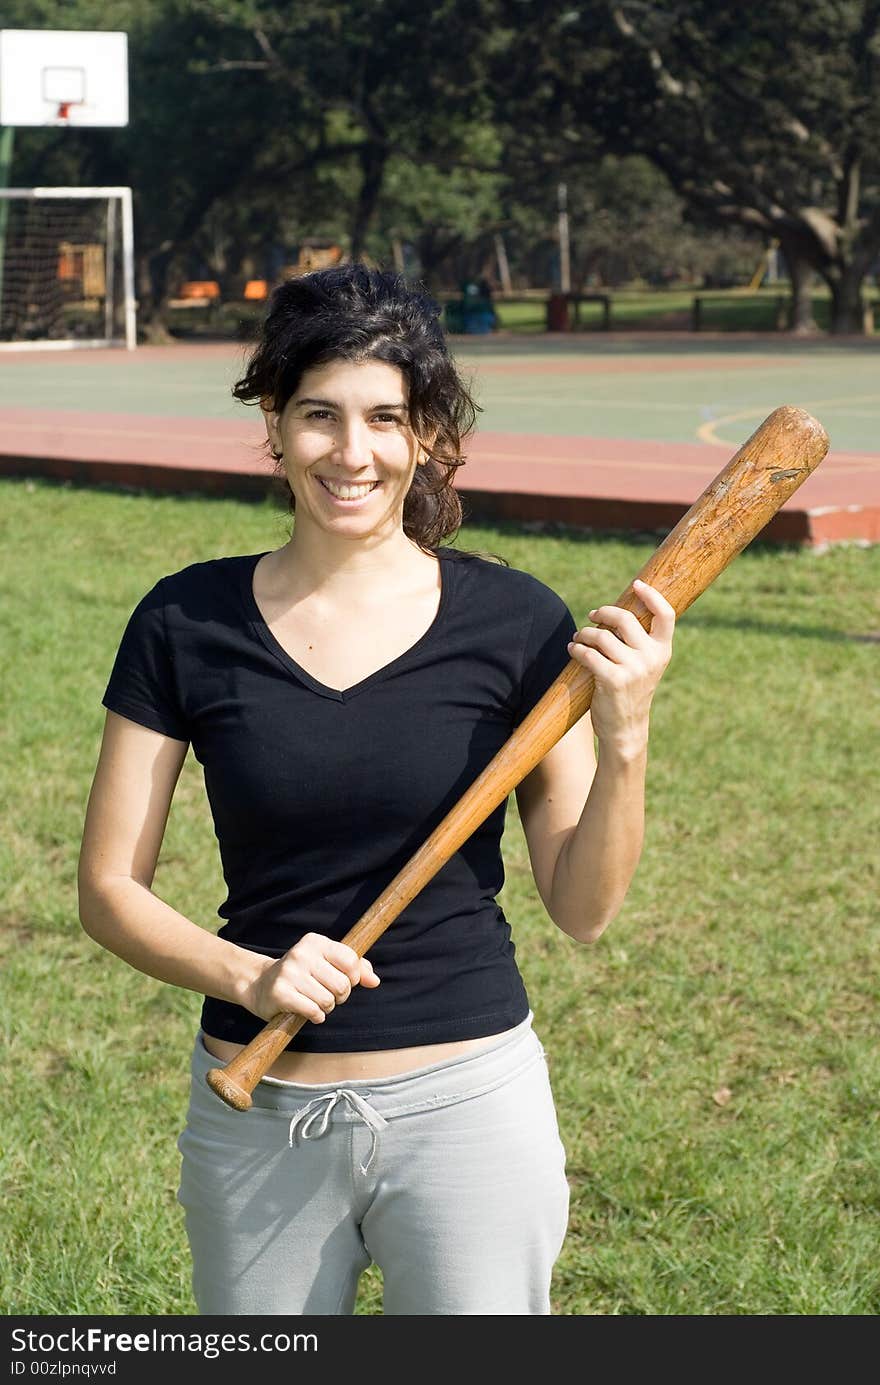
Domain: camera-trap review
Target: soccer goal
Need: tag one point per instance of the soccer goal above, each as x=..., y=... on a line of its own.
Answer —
x=66, y=268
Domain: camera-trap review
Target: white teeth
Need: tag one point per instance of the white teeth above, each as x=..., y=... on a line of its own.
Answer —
x=343, y=492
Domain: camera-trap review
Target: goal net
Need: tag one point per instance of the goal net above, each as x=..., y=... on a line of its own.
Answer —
x=66, y=268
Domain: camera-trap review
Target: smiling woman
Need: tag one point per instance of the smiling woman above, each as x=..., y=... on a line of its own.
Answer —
x=340, y=692
x=332, y=316
x=340, y=443
x=350, y=460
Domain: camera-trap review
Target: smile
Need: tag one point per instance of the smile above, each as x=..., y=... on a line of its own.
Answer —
x=346, y=490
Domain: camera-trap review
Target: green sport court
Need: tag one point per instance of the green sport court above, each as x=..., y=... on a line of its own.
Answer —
x=610, y=433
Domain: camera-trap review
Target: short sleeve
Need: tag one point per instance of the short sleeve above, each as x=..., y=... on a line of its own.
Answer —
x=142, y=686
x=546, y=648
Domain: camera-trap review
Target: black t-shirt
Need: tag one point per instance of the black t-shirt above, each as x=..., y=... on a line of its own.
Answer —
x=320, y=797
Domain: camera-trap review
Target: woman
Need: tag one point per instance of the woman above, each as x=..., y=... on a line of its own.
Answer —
x=341, y=692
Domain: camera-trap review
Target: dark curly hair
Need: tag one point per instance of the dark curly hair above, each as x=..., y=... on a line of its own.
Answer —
x=352, y=313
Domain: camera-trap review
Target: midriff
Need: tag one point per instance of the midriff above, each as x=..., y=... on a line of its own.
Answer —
x=348, y=1067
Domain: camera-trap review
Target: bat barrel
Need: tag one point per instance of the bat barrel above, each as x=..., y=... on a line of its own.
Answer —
x=737, y=505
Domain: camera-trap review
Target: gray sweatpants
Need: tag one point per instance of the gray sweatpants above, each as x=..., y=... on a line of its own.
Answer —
x=450, y=1178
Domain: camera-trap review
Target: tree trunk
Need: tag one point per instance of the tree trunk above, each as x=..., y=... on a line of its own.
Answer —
x=153, y=298
x=239, y=268
x=434, y=251
x=373, y=158
x=849, y=314
x=801, y=274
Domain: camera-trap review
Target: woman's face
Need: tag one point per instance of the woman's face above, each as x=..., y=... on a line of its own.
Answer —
x=348, y=451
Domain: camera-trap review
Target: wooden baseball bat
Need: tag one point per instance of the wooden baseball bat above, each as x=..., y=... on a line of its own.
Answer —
x=736, y=506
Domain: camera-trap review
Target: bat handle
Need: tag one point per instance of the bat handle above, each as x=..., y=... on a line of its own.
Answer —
x=235, y=1082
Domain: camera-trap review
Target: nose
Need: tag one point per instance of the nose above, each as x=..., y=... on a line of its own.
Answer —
x=353, y=444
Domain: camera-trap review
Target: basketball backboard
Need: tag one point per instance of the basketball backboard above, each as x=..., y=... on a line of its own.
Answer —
x=63, y=77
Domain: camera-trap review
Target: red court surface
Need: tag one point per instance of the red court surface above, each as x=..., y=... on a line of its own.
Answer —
x=603, y=484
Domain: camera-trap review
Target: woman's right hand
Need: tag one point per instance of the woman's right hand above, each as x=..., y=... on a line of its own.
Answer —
x=311, y=979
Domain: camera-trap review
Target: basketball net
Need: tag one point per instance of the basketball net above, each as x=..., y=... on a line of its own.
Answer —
x=63, y=115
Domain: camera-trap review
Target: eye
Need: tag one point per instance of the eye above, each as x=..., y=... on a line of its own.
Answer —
x=388, y=418
x=319, y=414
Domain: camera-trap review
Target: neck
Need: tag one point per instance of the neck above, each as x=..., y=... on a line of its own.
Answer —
x=312, y=561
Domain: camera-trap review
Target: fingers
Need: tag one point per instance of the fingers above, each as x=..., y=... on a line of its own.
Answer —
x=618, y=631
x=663, y=614
x=357, y=971
x=313, y=977
x=627, y=627
x=368, y=977
x=625, y=659
x=606, y=642
x=312, y=999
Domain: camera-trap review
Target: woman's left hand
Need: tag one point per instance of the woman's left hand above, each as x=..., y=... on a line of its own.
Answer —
x=627, y=663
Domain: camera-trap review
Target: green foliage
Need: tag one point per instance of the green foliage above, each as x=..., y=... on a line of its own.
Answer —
x=246, y=113
x=389, y=126
x=766, y=116
x=626, y=224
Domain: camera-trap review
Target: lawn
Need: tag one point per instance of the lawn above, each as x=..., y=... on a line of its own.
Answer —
x=632, y=309
x=714, y=1056
x=728, y=310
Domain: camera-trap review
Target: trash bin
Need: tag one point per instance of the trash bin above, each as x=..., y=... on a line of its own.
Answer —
x=557, y=313
x=478, y=314
x=472, y=313
x=478, y=317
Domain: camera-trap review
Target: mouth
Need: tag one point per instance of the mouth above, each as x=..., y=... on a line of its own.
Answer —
x=346, y=491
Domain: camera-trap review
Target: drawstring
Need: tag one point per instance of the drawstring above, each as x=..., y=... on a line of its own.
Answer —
x=321, y=1109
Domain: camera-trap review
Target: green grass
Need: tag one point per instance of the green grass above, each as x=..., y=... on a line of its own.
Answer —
x=724, y=310
x=714, y=1056
x=662, y=309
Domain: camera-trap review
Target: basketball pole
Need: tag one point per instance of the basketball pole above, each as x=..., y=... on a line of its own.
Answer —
x=7, y=140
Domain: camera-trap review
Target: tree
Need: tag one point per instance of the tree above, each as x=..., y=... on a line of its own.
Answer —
x=186, y=149
x=446, y=216
x=374, y=79
x=765, y=116
x=248, y=116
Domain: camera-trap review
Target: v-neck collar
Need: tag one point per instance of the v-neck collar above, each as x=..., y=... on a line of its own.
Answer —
x=258, y=625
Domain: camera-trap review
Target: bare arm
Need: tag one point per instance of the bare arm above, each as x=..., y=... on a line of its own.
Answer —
x=583, y=821
x=137, y=774
x=128, y=808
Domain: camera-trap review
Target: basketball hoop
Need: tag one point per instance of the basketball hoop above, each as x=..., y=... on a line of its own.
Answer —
x=63, y=77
